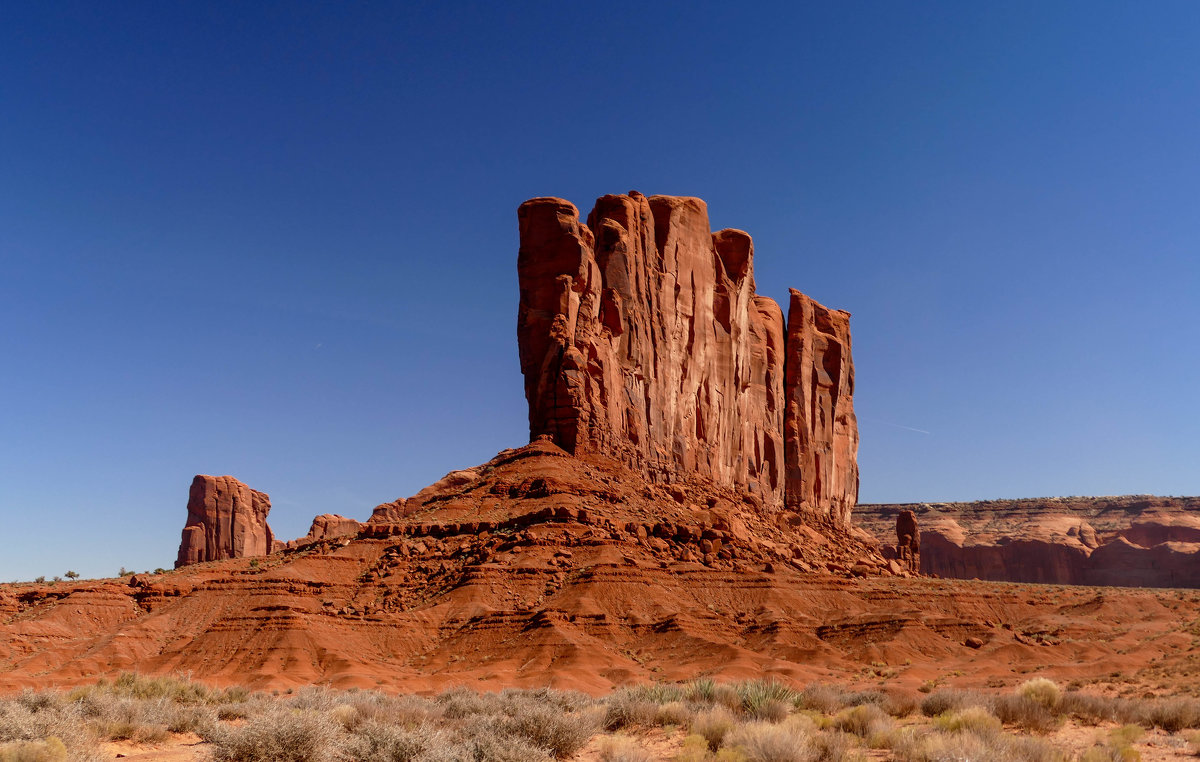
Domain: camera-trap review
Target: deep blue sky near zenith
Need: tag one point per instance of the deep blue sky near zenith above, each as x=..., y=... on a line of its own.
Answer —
x=278, y=240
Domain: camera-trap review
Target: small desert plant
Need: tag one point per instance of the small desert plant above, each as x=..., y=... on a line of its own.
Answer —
x=380, y=742
x=1026, y=713
x=760, y=698
x=702, y=690
x=820, y=698
x=563, y=733
x=770, y=742
x=713, y=725
x=628, y=709
x=693, y=749
x=279, y=735
x=864, y=721
x=72, y=575
x=622, y=749
x=673, y=713
x=49, y=750
x=973, y=719
x=1042, y=691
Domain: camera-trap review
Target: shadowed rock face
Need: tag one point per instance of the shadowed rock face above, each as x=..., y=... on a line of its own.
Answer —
x=641, y=338
x=226, y=519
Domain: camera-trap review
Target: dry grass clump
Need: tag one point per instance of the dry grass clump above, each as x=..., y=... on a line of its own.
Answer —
x=622, y=749
x=865, y=721
x=825, y=699
x=940, y=702
x=939, y=746
x=973, y=719
x=713, y=725
x=766, y=699
x=279, y=734
x=774, y=742
x=1041, y=691
x=50, y=750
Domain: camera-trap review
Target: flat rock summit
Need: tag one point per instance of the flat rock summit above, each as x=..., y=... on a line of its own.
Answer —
x=682, y=507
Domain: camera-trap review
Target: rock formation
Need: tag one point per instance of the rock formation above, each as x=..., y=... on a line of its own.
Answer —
x=820, y=430
x=907, y=550
x=330, y=526
x=1137, y=540
x=226, y=519
x=642, y=339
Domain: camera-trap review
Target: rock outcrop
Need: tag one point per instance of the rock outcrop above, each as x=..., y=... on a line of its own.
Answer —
x=1138, y=540
x=642, y=339
x=820, y=430
x=907, y=550
x=329, y=526
x=226, y=519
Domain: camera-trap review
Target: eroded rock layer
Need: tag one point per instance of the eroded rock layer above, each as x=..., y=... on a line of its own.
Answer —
x=642, y=339
x=1133, y=540
x=540, y=569
x=226, y=519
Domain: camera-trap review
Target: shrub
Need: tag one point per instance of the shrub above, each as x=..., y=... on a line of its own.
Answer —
x=674, y=713
x=1174, y=715
x=50, y=750
x=627, y=709
x=944, y=701
x=380, y=742
x=973, y=719
x=622, y=749
x=701, y=690
x=480, y=738
x=1026, y=713
x=562, y=733
x=279, y=735
x=820, y=698
x=767, y=742
x=713, y=726
x=1042, y=691
x=693, y=749
x=864, y=721
x=758, y=696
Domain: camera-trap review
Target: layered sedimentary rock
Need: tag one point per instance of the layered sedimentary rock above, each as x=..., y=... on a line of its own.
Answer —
x=1138, y=540
x=226, y=519
x=642, y=339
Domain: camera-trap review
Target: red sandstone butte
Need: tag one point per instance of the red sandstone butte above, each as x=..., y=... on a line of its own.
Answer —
x=226, y=519
x=642, y=339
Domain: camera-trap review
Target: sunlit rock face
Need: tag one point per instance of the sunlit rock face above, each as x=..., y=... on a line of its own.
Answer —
x=226, y=519
x=642, y=339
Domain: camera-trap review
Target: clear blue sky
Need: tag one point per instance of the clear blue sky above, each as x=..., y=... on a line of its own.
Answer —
x=278, y=240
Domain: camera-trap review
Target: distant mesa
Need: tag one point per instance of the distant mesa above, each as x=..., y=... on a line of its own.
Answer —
x=225, y=519
x=1132, y=540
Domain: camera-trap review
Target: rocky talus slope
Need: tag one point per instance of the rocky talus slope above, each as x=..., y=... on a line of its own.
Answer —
x=1133, y=540
x=540, y=568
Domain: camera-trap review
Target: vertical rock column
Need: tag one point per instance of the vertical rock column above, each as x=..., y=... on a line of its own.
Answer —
x=642, y=339
x=820, y=430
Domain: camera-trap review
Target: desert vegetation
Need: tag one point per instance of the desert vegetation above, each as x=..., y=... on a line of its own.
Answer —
x=699, y=721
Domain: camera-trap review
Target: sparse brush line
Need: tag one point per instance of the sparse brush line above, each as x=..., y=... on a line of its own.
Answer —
x=759, y=720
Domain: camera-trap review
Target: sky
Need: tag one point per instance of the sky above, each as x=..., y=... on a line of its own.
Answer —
x=278, y=240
